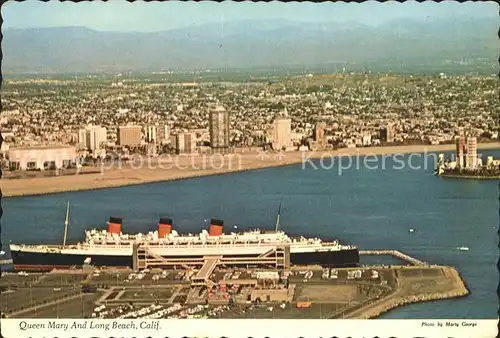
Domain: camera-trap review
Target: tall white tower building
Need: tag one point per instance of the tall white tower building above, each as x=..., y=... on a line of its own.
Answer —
x=93, y=138
x=282, y=131
x=219, y=128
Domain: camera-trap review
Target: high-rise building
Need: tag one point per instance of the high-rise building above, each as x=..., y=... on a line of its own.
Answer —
x=162, y=133
x=151, y=134
x=219, y=128
x=471, y=157
x=176, y=143
x=189, y=143
x=319, y=133
x=366, y=140
x=184, y=143
x=92, y=138
x=82, y=138
x=129, y=135
x=461, y=151
x=282, y=130
x=387, y=133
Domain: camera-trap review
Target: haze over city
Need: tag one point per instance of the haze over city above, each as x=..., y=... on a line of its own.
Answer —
x=88, y=37
x=141, y=16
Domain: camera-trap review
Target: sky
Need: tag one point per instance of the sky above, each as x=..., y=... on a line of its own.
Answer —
x=119, y=15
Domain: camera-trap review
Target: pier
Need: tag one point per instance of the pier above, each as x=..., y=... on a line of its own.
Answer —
x=277, y=257
x=202, y=277
x=394, y=253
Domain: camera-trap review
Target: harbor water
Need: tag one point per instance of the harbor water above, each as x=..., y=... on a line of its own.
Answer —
x=372, y=208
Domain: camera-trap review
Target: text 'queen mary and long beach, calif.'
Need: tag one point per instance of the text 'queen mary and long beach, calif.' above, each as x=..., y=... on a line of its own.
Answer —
x=242, y=172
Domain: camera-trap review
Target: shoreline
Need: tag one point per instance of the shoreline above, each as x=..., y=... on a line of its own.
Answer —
x=195, y=167
x=470, y=177
x=402, y=297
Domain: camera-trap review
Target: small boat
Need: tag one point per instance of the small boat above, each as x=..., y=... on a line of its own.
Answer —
x=2, y=253
x=463, y=248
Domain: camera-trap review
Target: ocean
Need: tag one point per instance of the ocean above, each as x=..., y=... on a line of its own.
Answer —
x=373, y=208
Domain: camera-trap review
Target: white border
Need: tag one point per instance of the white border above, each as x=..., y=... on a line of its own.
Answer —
x=255, y=328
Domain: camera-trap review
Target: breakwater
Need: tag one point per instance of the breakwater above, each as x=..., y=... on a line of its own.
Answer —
x=394, y=253
x=470, y=177
x=411, y=288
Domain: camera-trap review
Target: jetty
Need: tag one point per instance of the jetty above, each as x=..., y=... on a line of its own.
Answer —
x=394, y=253
x=470, y=177
x=413, y=285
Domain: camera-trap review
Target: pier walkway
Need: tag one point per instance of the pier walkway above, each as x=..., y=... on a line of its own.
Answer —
x=206, y=270
x=394, y=253
x=146, y=257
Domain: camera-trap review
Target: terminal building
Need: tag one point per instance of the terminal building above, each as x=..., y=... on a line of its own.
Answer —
x=41, y=158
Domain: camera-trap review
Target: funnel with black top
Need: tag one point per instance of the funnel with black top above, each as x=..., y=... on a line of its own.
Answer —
x=115, y=225
x=216, y=227
x=164, y=227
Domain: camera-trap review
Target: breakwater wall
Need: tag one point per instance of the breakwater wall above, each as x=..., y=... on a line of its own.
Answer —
x=390, y=304
x=470, y=177
x=403, y=297
x=394, y=253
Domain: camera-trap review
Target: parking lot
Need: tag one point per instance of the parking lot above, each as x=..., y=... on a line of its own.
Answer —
x=79, y=307
x=328, y=291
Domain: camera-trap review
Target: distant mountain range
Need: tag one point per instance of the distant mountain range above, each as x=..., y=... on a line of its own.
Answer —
x=253, y=44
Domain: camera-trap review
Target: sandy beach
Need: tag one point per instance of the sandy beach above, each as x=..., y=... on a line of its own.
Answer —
x=167, y=168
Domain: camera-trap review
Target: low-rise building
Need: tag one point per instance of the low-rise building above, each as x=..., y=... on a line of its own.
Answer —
x=41, y=158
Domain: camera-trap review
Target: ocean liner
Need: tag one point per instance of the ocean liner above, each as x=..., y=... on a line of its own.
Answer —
x=111, y=247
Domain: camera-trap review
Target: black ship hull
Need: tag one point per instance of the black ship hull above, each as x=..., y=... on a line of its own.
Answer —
x=39, y=261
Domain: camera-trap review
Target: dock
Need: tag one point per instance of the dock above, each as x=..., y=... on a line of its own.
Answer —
x=394, y=253
x=206, y=270
x=277, y=257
